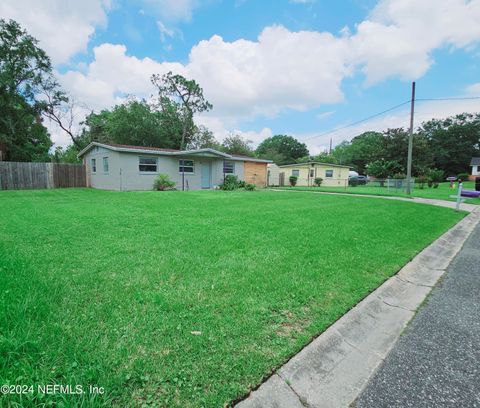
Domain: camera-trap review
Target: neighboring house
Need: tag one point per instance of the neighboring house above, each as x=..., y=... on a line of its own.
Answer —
x=122, y=167
x=475, y=165
x=333, y=175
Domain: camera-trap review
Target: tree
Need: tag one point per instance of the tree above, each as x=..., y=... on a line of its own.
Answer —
x=203, y=138
x=453, y=141
x=25, y=76
x=235, y=144
x=382, y=168
x=185, y=96
x=282, y=147
x=134, y=122
x=362, y=149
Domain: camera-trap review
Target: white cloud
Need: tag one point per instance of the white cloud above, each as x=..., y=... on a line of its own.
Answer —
x=63, y=27
x=324, y=115
x=279, y=70
x=399, y=36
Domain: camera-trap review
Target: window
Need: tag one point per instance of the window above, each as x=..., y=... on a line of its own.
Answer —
x=229, y=167
x=187, y=167
x=94, y=165
x=328, y=173
x=296, y=173
x=147, y=164
x=311, y=173
x=105, y=164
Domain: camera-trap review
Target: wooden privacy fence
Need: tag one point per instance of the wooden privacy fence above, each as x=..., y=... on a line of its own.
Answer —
x=19, y=176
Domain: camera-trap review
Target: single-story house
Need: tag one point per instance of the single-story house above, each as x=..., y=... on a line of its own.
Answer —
x=123, y=167
x=475, y=165
x=333, y=175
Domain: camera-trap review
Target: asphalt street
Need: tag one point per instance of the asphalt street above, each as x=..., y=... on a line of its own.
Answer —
x=436, y=361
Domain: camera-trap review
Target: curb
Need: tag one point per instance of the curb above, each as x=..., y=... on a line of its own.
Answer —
x=334, y=368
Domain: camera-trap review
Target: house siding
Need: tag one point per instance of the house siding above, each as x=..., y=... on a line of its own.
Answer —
x=256, y=173
x=339, y=174
x=124, y=173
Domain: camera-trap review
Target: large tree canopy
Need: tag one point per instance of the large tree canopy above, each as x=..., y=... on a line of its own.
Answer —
x=282, y=149
x=182, y=98
x=25, y=78
x=235, y=144
x=453, y=141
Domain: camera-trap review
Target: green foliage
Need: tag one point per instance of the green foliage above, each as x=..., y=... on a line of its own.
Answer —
x=453, y=141
x=249, y=187
x=182, y=96
x=25, y=76
x=66, y=155
x=353, y=181
x=399, y=176
x=422, y=180
x=138, y=123
x=382, y=168
x=318, y=181
x=462, y=176
x=162, y=182
x=203, y=138
x=230, y=183
x=293, y=180
x=235, y=144
x=435, y=176
x=282, y=149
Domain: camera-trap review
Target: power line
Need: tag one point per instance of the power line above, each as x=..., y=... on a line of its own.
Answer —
x=389, y=110
x=358, y=121
x=449, y=99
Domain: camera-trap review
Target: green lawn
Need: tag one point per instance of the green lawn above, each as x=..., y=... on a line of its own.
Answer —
x=105, y=288
x=443, y=191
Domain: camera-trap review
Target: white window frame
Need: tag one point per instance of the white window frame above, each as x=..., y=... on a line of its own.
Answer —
x=230, y=162
x=148, y=171
x=107, y=167
x=326, y=173
x=180, y=166
x=93, y=163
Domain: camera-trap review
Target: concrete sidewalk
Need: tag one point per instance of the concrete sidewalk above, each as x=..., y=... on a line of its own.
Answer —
x=436, y=363
x=419, y=200
x=335, y=367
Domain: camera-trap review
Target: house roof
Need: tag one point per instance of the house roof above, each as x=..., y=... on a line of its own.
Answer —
x=168, y=152
x=475, y=161
x=314, y=162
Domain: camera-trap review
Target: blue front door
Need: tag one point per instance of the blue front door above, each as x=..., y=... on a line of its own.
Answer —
x=206, y=175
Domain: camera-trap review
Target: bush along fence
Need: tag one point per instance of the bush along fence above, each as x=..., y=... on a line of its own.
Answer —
x=19, y=176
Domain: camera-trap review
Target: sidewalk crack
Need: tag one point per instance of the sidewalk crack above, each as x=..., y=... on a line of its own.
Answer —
x=300, y=398
x=413, y=283
x=398, y=307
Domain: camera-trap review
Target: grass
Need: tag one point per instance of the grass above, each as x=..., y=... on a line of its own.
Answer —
x=443, y=191
x=184, y=299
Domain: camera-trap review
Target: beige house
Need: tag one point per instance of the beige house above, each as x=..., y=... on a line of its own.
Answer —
x=122, y=167
x=333, y=175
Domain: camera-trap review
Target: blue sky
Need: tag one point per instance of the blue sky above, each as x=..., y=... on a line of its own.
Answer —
x=299, y=67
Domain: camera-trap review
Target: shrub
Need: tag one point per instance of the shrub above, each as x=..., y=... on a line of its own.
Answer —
x=462, y=176
x=241, y=184
x=249, y=187
x=435, y=176
x=163, y=182
x=422, y=180
x=318, y=181
x=230, y=183
x=293, y=180
x=353, y=181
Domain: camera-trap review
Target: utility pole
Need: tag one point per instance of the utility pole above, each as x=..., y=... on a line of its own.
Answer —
x=410, y=142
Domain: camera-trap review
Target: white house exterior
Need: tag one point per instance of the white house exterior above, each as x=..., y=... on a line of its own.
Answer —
x=124, y=168
x=475, y=165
